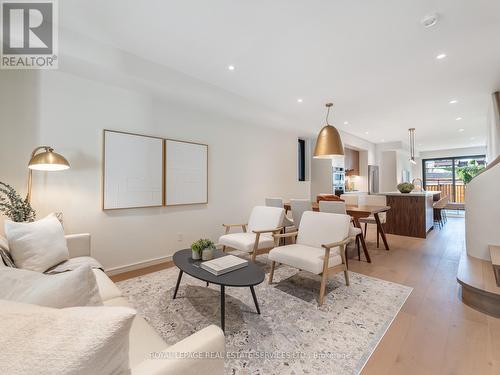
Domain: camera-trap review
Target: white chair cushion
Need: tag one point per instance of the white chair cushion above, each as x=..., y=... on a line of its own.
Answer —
x=107, y=289
x=71, y=341
x=320, y=228
x=246, y=241
x=263, y=218
x=354, y=231
x=37, y=246
x=306, y=258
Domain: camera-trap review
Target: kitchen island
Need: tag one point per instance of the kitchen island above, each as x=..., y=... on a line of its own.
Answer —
x=410, y=214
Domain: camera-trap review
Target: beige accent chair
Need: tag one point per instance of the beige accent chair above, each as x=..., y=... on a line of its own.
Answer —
x=278, y=202
x=319, y=247
x=373, y=200
x=262, y=224
x=338, y=207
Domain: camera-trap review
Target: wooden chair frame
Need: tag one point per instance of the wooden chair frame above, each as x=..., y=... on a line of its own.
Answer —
x=326, y=270
x=257, y=237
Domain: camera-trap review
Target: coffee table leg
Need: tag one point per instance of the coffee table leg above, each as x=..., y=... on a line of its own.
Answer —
x=255, y=299
x=223, y=307
x=178, y=282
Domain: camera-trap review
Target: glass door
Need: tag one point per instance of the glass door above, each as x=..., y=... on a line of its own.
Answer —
x=451, y=175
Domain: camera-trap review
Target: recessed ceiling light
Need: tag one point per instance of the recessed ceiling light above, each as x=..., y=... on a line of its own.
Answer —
x=382, y=140
x=231, y=67
x=441, y=56
x=346, y=122
x=458, y=118
x=300, y=100
x=453, y=101
x=366, y=132
x=430, y=20
x=461, y=130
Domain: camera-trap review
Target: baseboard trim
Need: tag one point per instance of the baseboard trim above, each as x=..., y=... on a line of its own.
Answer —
x=136, y=266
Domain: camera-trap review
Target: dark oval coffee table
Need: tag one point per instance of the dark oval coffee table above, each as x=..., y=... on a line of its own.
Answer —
x=248, y=276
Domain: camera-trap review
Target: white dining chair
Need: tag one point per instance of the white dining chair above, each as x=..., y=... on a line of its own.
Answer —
x=373, y=200
x=338, y=207
x=319, y=247
x=262, y=224
x=278, y=202
x=298, y=207
x=350, y=199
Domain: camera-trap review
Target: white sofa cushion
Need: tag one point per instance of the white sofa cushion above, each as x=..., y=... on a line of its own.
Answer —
x=304, y=257
x=73, y=341
x=246, y=241
x=37, y=246
x=75, y=288
x=107, y=289
x=73, y=263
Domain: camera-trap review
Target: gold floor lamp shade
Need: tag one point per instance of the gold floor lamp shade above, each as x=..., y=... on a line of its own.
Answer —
x=47, y=160
x=328, y=144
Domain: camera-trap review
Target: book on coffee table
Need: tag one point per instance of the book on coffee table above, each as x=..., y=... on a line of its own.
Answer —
x=225, y=264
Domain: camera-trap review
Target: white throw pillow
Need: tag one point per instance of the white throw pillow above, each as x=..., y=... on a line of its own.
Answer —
x=37, y=246
x=68, y=289
x=74, y=341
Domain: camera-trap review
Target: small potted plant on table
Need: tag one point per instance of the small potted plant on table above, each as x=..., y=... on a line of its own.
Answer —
x=202, y=249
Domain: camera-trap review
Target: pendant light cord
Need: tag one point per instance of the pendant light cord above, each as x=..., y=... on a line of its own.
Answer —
x=328, y=106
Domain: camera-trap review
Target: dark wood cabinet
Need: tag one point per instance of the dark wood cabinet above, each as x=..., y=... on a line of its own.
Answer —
x=351, y=164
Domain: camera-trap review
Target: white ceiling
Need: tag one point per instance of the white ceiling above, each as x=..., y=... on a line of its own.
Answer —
x=373, y=59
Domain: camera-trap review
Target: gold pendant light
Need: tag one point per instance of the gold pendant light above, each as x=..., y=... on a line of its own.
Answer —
x=329, y=144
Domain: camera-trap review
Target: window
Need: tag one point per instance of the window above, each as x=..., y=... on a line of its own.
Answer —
x=301, y=159
x=442, y=175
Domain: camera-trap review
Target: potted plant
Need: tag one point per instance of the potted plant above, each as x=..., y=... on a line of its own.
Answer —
x=405, y=187
x=13, y=206
x=202, y=249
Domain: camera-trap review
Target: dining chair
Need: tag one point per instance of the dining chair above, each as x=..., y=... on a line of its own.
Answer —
x=439, y=209
x=298, y=207
x=338, y=207
x=350, y=199
x=262, y=224
x=278, y=202
x=373, y=200
x=319, y=247
x=327, y=197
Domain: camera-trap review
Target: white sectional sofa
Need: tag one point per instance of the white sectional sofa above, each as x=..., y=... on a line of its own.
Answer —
x=183, y=358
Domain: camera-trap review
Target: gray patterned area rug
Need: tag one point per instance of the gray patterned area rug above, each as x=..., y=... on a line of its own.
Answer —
x=292, y=335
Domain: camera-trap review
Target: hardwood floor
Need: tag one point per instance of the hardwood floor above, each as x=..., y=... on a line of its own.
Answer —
x=434, y=333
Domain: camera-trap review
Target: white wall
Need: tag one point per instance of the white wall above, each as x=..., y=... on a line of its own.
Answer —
x=247, y=161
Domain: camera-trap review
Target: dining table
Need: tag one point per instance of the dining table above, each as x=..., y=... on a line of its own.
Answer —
x=357, y=212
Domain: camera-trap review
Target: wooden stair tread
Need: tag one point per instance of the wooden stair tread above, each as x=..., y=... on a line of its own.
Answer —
x=495, y=254
x=478, y=274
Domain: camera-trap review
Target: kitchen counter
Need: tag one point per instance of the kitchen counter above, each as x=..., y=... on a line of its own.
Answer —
x=411, y=214
x=412, y=194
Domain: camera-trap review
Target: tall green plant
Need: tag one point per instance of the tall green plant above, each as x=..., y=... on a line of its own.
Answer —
x=468, y=172
x=13, y=206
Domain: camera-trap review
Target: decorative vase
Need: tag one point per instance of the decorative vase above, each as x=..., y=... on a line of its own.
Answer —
x=207, y=253
x=195, y=255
